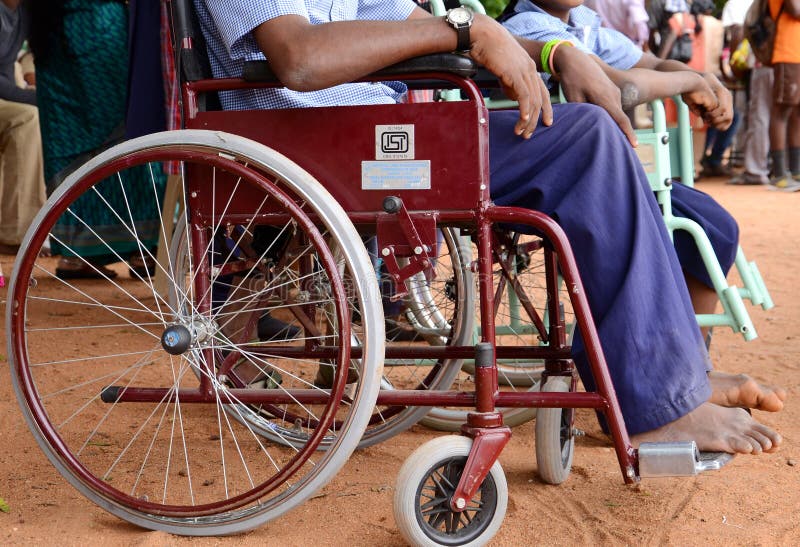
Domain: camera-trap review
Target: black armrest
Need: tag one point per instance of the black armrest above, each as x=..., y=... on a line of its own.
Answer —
x=260, y=71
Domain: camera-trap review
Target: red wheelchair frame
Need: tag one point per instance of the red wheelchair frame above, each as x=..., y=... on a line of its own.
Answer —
x=333, y=145
x=462, y=182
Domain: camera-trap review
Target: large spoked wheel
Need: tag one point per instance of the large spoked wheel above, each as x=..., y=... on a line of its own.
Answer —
x=516, y=302
x=427, y=482
x=555, y=440
x=144, y=400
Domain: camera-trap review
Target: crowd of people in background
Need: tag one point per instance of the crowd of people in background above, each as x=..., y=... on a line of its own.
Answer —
x=47, y=127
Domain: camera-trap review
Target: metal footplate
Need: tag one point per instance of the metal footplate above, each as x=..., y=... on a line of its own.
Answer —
x=678, y=459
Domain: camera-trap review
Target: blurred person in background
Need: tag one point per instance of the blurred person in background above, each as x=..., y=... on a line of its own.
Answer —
x=755, y=139
x=718, y=142
x=82, y=55
x=784, y=123
x=626, y=16
x=21, y=180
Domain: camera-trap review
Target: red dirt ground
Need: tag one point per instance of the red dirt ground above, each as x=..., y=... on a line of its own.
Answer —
x=752, y=501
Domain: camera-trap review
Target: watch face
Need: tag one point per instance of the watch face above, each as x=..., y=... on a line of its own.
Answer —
x=459, y=15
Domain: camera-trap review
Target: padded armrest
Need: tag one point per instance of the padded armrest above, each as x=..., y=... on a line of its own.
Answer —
x=260, y=71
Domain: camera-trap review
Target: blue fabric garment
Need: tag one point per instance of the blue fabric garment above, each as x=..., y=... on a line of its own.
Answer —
x=720, y=227
x=616, y=50
x=146, y=107
x=227, y=28
x=583, y=30
x=582, y=172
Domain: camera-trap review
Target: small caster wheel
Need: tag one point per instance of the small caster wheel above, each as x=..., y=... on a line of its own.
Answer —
x=555, y=441
x=426, y=484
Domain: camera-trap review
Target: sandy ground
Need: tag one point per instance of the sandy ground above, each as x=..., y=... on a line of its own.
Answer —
x=752, y=501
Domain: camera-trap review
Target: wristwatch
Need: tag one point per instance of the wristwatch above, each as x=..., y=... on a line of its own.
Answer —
x=461, y=19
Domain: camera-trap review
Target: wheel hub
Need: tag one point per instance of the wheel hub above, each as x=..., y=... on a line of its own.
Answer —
x=176, y=339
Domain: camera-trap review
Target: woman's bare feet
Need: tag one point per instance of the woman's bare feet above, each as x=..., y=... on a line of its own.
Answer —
x=741, y=390
x=716, y=429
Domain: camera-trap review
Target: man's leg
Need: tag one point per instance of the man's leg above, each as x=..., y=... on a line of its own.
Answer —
x=723, y=234
x=785, y=97
x=716, y=148
x=756, y=138
x=582, y=172
x=21, y=179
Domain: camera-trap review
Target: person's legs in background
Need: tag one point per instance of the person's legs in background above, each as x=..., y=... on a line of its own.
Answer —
x=21, y=178
x=784, y=129
x=794, y=143
x=756, y=137
x=717, y=143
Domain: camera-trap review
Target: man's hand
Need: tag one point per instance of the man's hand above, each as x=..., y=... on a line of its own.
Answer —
x=582, y=80
x=719, y=115
x=501, y=54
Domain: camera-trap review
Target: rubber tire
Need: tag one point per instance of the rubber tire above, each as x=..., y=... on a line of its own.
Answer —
x=553, y=452
x=415, y=472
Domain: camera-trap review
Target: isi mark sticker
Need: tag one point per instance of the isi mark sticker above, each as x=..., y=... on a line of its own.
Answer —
x=394, y=167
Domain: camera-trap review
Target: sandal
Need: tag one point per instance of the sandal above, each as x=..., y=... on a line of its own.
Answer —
x=73, y=267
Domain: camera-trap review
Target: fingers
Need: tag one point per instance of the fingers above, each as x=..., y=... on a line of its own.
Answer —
x=526, y=89
x=719, y=118
x=623, y=122
x=547, y=107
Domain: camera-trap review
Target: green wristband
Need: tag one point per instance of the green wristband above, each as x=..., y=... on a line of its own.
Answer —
x=545, y=56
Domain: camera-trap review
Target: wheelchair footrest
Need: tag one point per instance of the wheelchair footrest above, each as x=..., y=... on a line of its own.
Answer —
x=678, y=459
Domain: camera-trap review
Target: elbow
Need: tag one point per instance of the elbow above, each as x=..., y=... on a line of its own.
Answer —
x=630, y=95
x=296, y=69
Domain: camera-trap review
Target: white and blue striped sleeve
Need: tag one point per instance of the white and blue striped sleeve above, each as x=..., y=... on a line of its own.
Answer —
x=236, y=19
x=383, y=10
x=616, y=50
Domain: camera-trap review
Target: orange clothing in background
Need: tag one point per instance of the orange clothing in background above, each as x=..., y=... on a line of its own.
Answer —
x=787, y=39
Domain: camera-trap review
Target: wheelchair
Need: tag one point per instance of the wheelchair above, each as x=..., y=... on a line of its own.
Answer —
x=199, y=423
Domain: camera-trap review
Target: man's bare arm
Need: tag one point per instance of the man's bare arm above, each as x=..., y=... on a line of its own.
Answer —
x=583, y=81
x=641, y=85
x=721, y=116
x=308, y=57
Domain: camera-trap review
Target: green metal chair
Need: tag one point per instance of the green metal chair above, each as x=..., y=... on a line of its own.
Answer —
x=661, y=149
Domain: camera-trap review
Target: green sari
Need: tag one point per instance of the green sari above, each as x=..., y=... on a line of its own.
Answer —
x=81, y=91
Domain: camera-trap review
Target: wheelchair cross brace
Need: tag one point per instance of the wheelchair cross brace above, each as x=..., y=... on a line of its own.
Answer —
x=409, y=237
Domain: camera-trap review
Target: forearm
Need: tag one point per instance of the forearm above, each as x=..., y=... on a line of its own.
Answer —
x=308, y=57
x=11, y=92
x=534, y=50
x=642, y=85
x=666, y=45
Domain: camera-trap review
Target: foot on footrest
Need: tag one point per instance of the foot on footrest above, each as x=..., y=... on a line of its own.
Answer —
x=678, y=459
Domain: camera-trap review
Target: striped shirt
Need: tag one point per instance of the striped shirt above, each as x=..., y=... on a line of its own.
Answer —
x=228, y=24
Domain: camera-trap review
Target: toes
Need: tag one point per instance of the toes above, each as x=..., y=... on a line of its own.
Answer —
x=760, y=443
x=741, y=445
x=772, y=437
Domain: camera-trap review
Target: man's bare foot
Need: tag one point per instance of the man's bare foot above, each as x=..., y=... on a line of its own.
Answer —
x=742, y=391
x=716, y=429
